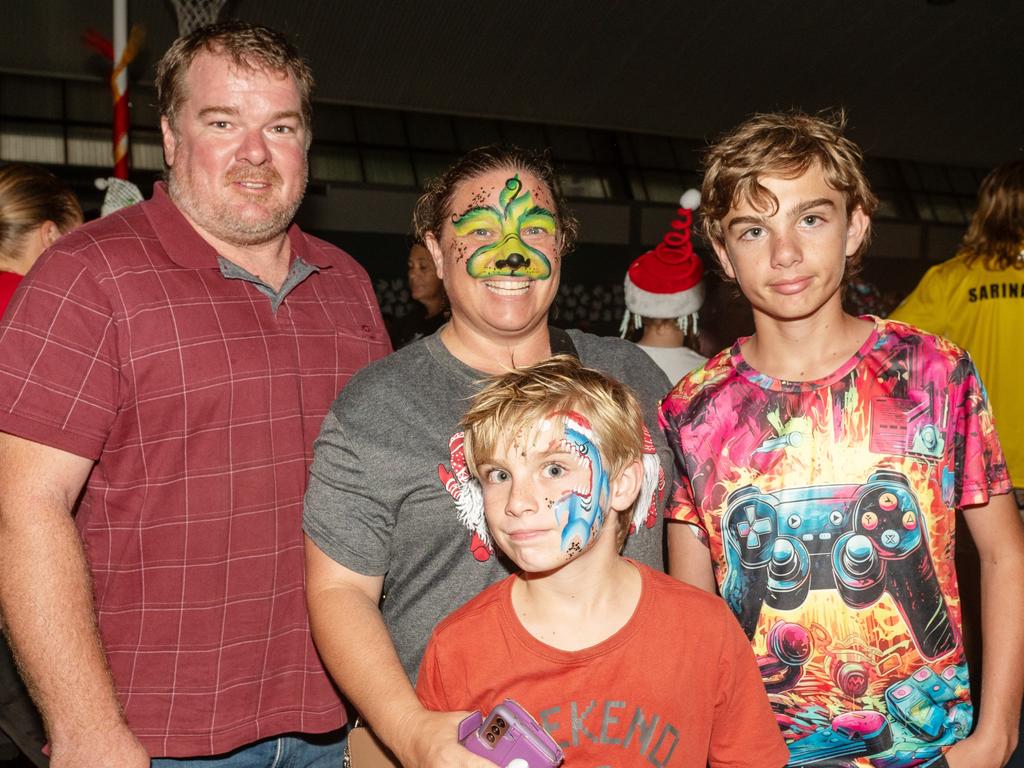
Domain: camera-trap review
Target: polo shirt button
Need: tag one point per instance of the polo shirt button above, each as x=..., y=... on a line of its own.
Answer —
x=366, y=329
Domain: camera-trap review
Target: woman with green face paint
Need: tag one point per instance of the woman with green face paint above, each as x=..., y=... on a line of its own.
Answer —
x=389, y=494
x=497, y=231
x=512, y=225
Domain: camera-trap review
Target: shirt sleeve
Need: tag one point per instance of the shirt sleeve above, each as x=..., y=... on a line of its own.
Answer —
x=345, y=512
x=60, y=370
x=979, y=465
x=681, y=505
x=744, y=733
x=924, y=308
x=429, y=685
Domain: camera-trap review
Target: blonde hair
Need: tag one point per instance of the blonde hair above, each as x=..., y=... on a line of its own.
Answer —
x=782, y=144
x=29, y=197
x=515, y=402
x=996, y=233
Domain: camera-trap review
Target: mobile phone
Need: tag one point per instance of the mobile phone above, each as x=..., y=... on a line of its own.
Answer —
x=510, y=737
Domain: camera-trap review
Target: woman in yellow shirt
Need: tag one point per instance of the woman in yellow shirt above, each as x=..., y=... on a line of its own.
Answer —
x=976, y=300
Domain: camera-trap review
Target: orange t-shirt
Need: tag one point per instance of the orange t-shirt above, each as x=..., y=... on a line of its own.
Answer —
x=676, y=686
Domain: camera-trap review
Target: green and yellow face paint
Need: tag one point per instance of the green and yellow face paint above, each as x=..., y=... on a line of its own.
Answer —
x=510, y=233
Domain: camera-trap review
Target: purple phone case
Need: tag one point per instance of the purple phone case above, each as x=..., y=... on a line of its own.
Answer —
x=510, y=737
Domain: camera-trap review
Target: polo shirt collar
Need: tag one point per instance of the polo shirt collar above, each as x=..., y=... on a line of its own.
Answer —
x=186, y=247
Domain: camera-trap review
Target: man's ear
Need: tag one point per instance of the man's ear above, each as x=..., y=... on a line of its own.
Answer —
x=625, y=487
x=435, y=253
x=723, y=258
x=170, y=141
x=856, y=230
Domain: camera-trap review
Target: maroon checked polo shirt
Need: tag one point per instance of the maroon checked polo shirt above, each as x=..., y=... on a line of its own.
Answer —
x=199, y=404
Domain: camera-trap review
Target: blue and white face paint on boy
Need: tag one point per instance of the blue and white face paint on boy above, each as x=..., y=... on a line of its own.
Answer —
x=580, y=510
x=545, y=493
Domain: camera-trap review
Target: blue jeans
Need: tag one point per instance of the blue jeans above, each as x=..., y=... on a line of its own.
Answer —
x=287, y=751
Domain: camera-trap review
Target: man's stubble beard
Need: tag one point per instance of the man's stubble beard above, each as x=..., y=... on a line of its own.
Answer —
x=219, y=218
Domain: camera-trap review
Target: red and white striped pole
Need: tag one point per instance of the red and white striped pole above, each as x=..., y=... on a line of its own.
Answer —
x=119, y=53
x=119, y=89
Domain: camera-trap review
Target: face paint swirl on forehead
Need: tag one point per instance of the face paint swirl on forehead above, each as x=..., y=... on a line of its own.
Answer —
x=509, y=229
x=579, y=510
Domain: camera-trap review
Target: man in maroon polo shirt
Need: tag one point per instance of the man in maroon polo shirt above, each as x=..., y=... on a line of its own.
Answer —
x=163, y=374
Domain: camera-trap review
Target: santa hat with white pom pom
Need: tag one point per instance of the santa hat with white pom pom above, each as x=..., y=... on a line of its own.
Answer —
x=667, y=281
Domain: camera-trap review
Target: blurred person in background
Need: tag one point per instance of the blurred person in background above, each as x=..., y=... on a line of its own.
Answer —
x=664, y=289
x=35, y=209
x=976, y=300
x=429, y=303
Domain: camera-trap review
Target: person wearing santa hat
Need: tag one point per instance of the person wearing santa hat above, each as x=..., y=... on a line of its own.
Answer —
x=664, y=289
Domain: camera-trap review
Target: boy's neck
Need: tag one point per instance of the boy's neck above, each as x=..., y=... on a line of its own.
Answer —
x=807, y=348
x=577, y=607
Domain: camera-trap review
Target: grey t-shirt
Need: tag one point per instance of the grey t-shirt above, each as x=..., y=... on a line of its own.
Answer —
x=376, y=501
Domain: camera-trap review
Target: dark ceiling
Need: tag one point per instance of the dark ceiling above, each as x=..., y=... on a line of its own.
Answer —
x=931, y=81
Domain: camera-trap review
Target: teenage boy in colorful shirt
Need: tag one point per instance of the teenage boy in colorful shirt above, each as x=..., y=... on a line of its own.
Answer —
x=821, y=461
x=610, y=655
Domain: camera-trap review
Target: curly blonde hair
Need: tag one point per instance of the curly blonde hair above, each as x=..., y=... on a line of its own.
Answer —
x=515, y=402
x=782, y=144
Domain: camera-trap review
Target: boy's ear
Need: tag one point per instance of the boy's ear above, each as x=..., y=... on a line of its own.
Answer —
x=723, y=258
x=626, y=486
x=856, y=229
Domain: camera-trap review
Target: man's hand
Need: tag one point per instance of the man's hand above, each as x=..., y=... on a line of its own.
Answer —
x=430, y=740
x=46, y=593
x=100, y=749
x=979, y=751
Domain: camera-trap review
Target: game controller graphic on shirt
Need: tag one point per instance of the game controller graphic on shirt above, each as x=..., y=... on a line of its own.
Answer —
x=860, y=540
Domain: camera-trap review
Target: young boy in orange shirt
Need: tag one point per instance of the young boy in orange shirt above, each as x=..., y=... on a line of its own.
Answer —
x=621, y=664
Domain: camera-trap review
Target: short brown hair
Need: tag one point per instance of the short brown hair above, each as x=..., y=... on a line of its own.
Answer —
x=515, y=402
x=250, y=46
x=434, y=205
x=782, y=144
x=996, y=232
x=30, y=196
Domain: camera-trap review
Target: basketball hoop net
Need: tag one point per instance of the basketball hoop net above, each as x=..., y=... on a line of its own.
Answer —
x=193, y=14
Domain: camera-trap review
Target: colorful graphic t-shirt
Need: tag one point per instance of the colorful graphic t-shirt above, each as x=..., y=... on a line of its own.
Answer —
x=828, y=507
